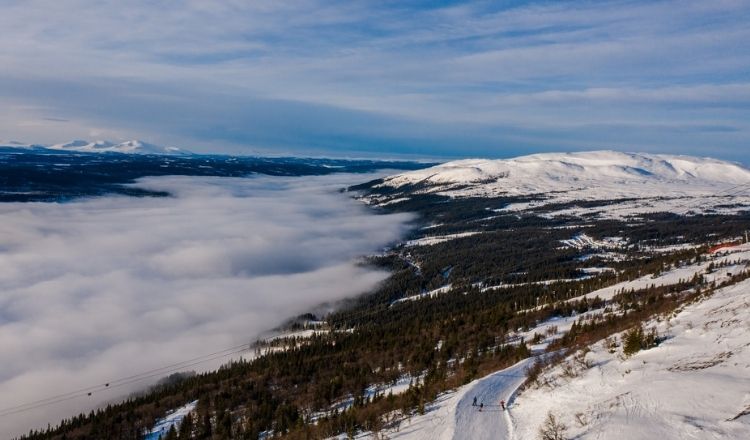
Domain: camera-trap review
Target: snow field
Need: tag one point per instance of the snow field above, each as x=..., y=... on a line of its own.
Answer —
x=693, y=385
x=673, y=276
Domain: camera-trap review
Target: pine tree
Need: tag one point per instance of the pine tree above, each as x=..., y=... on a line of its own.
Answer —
x=171, y=434
x=186, y=427
x=633, y=341
x=207, y=431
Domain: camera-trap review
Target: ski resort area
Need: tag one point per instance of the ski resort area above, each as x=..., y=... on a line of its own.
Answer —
x=692, y=384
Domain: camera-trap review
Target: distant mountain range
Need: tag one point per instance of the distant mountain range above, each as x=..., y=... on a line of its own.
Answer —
x=100, y=146
x=600, y=183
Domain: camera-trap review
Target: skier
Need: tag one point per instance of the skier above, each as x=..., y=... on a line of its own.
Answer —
x=481, y=405
x=502, y=404
x=474, y=403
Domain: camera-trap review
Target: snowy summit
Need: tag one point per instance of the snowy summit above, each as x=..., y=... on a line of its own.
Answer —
x=631, y=183
x=556, y=171
x=130, y=147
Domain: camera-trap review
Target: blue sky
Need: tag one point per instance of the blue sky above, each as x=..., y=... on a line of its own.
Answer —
x=430, y=79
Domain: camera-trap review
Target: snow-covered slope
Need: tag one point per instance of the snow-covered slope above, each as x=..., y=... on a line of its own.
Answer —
x=657, y=182
x=693, y=385
x=132, y=147
x=173, y=418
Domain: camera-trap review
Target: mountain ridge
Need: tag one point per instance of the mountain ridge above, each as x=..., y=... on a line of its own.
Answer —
x=573, y=167
x=580, y=184
x=134, y=146
x=129, y=147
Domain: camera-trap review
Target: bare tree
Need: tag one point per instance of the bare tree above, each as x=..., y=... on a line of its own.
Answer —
x=552, y=429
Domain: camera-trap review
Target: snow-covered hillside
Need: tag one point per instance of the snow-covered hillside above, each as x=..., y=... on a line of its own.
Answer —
x=694, y=385
x=132, y=147
x=638, y=182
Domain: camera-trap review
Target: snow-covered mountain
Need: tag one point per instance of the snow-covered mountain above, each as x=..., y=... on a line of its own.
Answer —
x=131, y=147
x=546, y=172
x=643, y=182
x=21, y=145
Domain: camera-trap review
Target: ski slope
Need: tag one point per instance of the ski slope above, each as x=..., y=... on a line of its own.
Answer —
x=492, y=422
x=453, y=417
x=694, y=385
x=701, y=373
x=173, y=418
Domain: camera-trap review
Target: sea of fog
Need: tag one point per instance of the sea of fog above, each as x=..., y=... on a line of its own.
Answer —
x=103, y=288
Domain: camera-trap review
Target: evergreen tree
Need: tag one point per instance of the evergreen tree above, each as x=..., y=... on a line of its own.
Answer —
x=171, y=434
x=634, y=341
x=186, y=427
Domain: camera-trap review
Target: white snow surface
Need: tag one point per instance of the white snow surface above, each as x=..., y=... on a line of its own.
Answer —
x=675, y=275
x=555, y=171
x=173, y=418
x=692, y=386
x=130, y=147
x=492, y=422
x=658, y=182
x=427, y=294
x=452, y=415
x=583, y=241
x=435, y=239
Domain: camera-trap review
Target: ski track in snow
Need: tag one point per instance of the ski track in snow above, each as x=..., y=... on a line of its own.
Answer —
x=492, y=422
x=452, y=417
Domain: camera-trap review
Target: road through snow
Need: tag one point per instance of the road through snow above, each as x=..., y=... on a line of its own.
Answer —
x=492, y=422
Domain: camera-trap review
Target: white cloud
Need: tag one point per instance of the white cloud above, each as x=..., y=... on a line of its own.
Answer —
x=100, y=289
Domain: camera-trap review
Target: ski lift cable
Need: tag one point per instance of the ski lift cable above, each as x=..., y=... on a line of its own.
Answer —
x=88, y=391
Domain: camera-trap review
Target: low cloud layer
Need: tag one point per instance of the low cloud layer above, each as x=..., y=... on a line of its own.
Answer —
x=100, y=289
